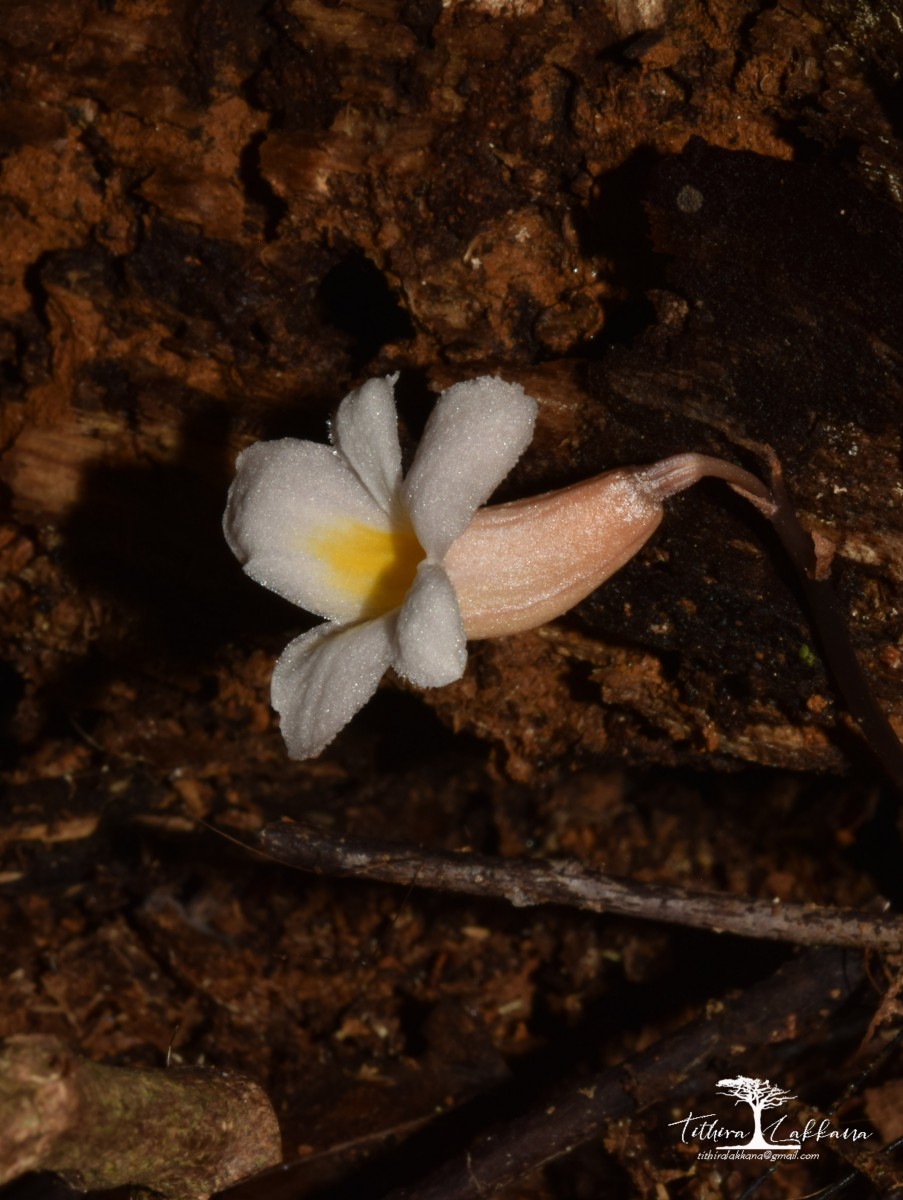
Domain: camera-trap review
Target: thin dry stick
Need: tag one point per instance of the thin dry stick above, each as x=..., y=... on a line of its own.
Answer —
x=885, y=1176
x=537, y=881
x=800, y=994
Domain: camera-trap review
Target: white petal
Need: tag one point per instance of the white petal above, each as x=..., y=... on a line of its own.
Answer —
x=476, y=433
x=365, y=431
x=432, y=648
x=290, y=504
x=323, y=677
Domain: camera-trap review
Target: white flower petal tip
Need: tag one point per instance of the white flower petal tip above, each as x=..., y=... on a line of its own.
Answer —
x=365, y=432
x=324, y=677
x=474, y=436
x=432, y=645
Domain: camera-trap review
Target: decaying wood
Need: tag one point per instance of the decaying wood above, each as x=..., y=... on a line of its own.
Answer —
x=183, y=1133
x=679, y=224
x=526, y=883
x=219, y=263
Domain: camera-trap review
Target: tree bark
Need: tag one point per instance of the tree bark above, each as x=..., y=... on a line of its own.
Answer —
x=183, y=1133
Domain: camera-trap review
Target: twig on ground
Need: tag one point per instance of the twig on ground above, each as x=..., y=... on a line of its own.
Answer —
x=536, y=881
x=875, y=1165
x=799, y=994
x=840, y=1185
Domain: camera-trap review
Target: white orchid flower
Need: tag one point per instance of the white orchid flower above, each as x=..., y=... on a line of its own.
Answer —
x=406, y=570
x=340, y=533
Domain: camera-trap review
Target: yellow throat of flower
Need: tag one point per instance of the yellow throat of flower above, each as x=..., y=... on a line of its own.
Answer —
x=374, y=567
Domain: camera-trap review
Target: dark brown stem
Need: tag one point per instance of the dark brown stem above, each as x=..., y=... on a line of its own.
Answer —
x=834, y=634
x=673, y=475
x=530, y=882
x=805, y=991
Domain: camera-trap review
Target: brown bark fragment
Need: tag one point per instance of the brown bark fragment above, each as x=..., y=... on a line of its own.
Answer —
x=184, y=1133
